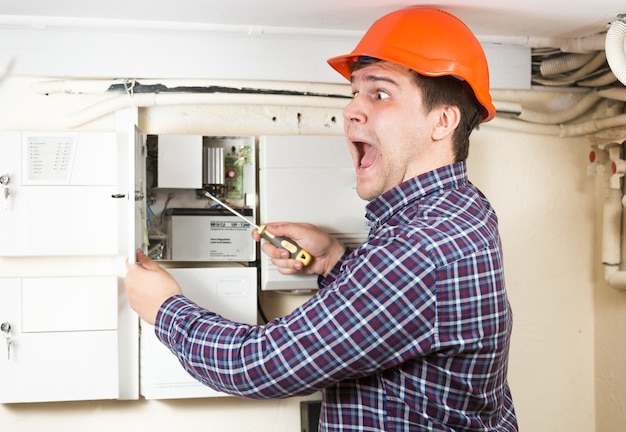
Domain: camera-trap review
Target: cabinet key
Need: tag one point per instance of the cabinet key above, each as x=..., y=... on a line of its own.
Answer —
x=5, y=328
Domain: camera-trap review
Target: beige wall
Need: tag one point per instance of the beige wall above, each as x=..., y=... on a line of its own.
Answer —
x=539, y=187
x=567, y=321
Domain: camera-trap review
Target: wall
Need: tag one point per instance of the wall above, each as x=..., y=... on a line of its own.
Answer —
x=539, y=187
x=610, y=344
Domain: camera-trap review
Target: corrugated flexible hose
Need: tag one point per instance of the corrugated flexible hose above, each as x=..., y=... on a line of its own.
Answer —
x=614, y=48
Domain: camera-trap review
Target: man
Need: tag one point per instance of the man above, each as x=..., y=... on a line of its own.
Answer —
x=410, y=331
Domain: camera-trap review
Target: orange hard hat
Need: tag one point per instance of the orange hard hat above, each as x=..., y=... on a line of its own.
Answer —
x=429, y=41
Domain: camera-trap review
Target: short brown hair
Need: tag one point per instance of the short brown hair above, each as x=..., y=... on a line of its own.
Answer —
x=445, y=90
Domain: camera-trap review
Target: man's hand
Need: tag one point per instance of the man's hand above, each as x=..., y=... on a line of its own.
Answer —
x=325, y=249
x=148, y=285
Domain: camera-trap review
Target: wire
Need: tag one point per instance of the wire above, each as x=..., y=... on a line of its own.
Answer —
x=129, y=88
x=167, y=201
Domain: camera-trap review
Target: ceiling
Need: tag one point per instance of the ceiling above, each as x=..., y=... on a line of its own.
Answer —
x=533, y=18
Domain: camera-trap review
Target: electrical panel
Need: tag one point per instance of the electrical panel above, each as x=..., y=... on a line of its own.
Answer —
x=183, y=223
x=308, y=179
x=206, y=248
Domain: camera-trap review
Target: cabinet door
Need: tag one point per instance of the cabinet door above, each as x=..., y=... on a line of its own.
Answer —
x=64, y=343
x=229, y=291
x=139, y=226
x=55, y=196
x=131, y=206
x=131, y=184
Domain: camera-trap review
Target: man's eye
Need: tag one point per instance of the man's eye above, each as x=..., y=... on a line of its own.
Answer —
x=355, y=94
x=382, y=95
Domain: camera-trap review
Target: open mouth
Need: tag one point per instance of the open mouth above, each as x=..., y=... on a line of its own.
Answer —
x=367, y=154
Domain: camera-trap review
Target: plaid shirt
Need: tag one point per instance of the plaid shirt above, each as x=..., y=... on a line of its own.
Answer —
x=409, y=332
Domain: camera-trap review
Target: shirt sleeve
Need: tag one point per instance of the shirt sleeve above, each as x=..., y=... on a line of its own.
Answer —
x=377, y=310
x=324, y=281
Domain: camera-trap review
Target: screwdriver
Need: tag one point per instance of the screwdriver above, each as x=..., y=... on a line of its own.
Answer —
x=294, y=249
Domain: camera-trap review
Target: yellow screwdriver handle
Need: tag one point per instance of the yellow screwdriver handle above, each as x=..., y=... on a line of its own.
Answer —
x=294, y=249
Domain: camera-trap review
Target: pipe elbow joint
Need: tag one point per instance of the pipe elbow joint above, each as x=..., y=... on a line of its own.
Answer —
x=615, y=277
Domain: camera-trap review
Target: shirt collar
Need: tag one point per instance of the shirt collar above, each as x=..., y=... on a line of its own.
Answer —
x=448, y=177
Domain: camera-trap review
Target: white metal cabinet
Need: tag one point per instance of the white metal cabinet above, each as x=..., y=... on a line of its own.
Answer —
x=229, y=291
x=64, y=341
x=308, y=179
x=56, y=197
x=73, y=338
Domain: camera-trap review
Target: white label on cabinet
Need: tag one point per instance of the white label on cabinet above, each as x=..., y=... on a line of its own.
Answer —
x=49, y=159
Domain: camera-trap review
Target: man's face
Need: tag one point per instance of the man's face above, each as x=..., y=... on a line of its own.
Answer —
x=387, y=128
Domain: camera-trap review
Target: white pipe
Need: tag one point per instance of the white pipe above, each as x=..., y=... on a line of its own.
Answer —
x=616, y=278
x=515, y=125
x=562, y=116
x=612, y=228
x=614, y=47
x=564, y=64
x=509, y=107
x=585, y=69
x=592, y=126
x=562, y=130
x=600, y=81
x=86, y=86
x=615, y=93
x=45, y=22
x=583, y=44
x=612, y=215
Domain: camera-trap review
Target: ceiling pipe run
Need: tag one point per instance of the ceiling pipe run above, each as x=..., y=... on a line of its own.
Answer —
x=289, y=94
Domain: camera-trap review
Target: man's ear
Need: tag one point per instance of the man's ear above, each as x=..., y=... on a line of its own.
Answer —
x=448, y=118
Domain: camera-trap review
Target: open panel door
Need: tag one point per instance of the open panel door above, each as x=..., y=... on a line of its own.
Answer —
x=131, y=195
x=138, y=225
x=131, y=184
